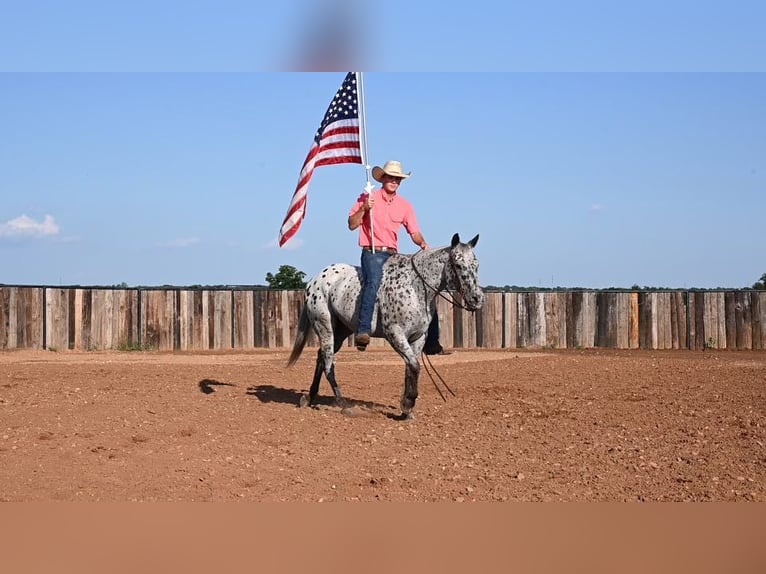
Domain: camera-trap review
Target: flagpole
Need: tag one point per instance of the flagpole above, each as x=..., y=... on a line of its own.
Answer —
x=365, y=158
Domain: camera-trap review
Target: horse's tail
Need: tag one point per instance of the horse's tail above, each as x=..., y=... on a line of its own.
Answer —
x=301, y=337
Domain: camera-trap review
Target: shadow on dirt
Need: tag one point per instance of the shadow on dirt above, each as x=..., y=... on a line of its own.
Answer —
x=207, y=385
x=272, y=394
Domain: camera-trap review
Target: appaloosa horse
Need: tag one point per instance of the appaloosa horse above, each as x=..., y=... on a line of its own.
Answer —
x=406, y=300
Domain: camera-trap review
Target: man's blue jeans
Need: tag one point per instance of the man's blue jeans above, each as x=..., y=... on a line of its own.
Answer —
x=372, y=273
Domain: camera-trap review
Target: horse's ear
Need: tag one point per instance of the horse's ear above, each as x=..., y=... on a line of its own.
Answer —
x=474, y=241
x=455, y=240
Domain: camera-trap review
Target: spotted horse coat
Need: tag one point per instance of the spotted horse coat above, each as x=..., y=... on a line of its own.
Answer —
x=403, y=310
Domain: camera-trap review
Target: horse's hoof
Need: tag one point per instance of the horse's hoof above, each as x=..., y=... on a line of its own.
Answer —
x=305, y=401
x=410, y=416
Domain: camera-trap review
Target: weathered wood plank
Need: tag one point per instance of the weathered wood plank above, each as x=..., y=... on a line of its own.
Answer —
x=5, y=318
x=762, y=317
x=5, y=295
x=85, y=313
x=730, y=319
x=621, y=320
x=673, y=320
x=272, y=309
x=32, y=313
x=127, y=322
x=721, y=325
x=605, y=325
x=589, y=318
x=158, y=313
x=682, y=320
x=522, y=326
x=666, y=320
x=537, y=324
x=696, y=339
x=446, y=323
x=570, y=318
x=467, y=329
x=633, y=319
x=297, y=300
x=285, y=339
x=492, y=321
x=259, y=314
x=243, y=313
x=644, y=320
x=57, y=321
x=744, y=320
x=220, y=314
x=585, y=320
x=194, y=326
x=699, y=320
x=759, y=318
x=510, y=313
x=712, y=340
x=654, y=326
x=555, y=320
x=102, y=312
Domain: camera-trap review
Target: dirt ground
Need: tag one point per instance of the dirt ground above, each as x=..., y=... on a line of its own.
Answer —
x=587, y=425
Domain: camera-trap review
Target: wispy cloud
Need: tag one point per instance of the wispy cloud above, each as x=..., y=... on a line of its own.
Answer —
x=291, y=245
x=24, y=226
x=181, y=242
x=596, y=207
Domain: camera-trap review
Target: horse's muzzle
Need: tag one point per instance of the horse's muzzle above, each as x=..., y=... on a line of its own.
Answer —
x=474, y=303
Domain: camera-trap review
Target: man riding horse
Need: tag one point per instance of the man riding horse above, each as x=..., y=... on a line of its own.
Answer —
x=391, y=211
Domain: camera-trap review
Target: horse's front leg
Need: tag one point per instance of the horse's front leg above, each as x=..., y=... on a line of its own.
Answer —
x=409, y=351
x=410, y=395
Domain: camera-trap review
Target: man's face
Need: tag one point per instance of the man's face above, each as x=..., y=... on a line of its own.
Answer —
x=391, y=183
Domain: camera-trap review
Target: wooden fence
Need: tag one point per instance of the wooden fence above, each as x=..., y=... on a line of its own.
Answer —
x=240, y=318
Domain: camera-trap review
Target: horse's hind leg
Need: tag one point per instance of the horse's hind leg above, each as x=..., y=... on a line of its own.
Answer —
x=339, y=334
x=314, y=390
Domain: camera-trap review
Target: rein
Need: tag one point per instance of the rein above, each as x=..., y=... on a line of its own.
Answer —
x=426, y=360
x=427, y=363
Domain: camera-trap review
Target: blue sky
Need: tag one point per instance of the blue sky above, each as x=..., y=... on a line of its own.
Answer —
x=609, y=147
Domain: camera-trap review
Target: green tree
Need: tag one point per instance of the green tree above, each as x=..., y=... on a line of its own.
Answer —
x=288, y=277
x=760, y=285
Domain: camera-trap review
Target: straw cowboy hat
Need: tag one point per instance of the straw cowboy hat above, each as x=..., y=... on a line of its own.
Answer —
x=392, y=168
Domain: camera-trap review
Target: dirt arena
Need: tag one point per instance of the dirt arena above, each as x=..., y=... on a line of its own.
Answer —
x=589, y=425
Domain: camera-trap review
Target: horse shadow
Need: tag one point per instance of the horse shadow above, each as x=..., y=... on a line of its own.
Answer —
x=279, y=395
x=207, y=385
x=272, y=394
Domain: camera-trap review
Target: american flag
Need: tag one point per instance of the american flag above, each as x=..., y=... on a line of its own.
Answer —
x=336, y=141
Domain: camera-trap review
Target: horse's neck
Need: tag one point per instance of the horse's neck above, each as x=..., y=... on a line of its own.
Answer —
x=430, y=266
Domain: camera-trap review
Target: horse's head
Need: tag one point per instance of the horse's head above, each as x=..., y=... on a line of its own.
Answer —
x=465, y=272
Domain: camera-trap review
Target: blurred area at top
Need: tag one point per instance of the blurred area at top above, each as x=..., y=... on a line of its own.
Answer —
x=382, y=35
x=330, y=38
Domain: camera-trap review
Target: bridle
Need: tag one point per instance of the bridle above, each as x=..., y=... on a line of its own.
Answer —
x=449, y=299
